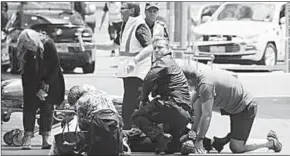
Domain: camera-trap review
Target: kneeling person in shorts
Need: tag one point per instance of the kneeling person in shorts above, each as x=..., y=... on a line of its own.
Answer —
x=220, y=91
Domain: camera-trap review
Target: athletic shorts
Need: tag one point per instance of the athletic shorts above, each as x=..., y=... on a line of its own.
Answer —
x=241, y=123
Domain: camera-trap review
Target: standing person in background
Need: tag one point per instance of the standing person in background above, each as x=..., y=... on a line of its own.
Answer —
x=42, y=82
x=80, y=7
x=157, y=27
x=134, y=57
x=115, y=19
x=4, y=15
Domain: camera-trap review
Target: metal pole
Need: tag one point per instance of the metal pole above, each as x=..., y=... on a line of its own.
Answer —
x=177, y=21
x=171, y=22
x=287, y=35
x=184, y=23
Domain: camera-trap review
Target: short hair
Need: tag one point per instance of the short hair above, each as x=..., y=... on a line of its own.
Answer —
x=134, y=5
x=89, y=103
x=190, y=72
x=78, y=91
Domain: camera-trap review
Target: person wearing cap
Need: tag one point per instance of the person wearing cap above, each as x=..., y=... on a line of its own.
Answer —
x=171, y=104
x=134, y=42
x=157, y=27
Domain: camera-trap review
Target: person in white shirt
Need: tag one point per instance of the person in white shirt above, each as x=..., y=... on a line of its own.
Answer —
x=115, y=19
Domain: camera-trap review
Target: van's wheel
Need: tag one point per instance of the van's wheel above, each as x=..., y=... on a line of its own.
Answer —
x=89, y=68
x=7, y=138
x=4, y=68
x=270, y=56
x=17, y=138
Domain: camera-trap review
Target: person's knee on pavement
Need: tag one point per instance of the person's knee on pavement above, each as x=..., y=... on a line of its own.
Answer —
x=237, y=146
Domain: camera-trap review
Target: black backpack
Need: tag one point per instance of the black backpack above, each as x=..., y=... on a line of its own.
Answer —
x=105, y=136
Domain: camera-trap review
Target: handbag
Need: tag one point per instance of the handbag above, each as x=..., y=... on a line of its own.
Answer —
x=71, y=143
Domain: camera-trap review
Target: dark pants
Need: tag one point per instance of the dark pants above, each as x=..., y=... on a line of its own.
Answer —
x=114, y=29
x=132, y=92
x=166, y=112
x=29, y=114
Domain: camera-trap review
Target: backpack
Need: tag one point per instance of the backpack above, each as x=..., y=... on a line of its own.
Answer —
x=105, y=133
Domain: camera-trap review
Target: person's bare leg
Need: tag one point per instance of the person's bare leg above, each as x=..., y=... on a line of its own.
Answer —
x=272, y=142
x=238, y=146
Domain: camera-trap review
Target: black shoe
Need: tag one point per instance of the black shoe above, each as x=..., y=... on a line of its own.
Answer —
x=207, y=144
x=219, y=143
x=113, y=53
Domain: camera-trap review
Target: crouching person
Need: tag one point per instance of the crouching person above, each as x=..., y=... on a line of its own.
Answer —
x=171, y=104
x=85, y=99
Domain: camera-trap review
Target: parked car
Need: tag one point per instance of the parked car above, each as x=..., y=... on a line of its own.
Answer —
x=5, y=60
x=239, y=32
x=62, y=24
x=200, y=11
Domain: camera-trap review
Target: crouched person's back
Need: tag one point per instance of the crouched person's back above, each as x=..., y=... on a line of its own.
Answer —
x=98, y=115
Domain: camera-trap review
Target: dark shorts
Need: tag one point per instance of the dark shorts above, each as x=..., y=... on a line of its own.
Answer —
x=241, y=123
x=114, y=29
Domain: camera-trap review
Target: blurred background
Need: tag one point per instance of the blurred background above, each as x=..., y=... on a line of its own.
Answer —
x=232, y=35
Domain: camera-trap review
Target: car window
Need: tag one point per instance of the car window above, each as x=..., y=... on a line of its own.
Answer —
x=247, y=11
x=47, y=5
x=209, y=10
x=74, y=18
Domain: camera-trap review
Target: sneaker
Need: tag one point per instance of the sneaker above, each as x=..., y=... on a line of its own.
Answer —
x=26, y=143
x=219, y=143
x=162, y=141
x=112, y=53
x=277, y=145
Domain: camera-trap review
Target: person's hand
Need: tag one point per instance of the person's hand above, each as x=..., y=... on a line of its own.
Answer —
x=45, y=86
x=131, y=64
x=41, y=94
x=198, y=147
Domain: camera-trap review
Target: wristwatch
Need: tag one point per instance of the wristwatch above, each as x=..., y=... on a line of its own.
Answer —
x=199, y=138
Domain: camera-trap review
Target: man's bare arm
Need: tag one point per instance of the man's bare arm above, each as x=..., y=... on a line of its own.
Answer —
x=206, y=108
x=197, y=114
x=102, y=46
x=146, y=52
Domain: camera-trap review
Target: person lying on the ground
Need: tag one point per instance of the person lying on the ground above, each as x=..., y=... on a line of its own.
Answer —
x=171, y=104
x=220, y=91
